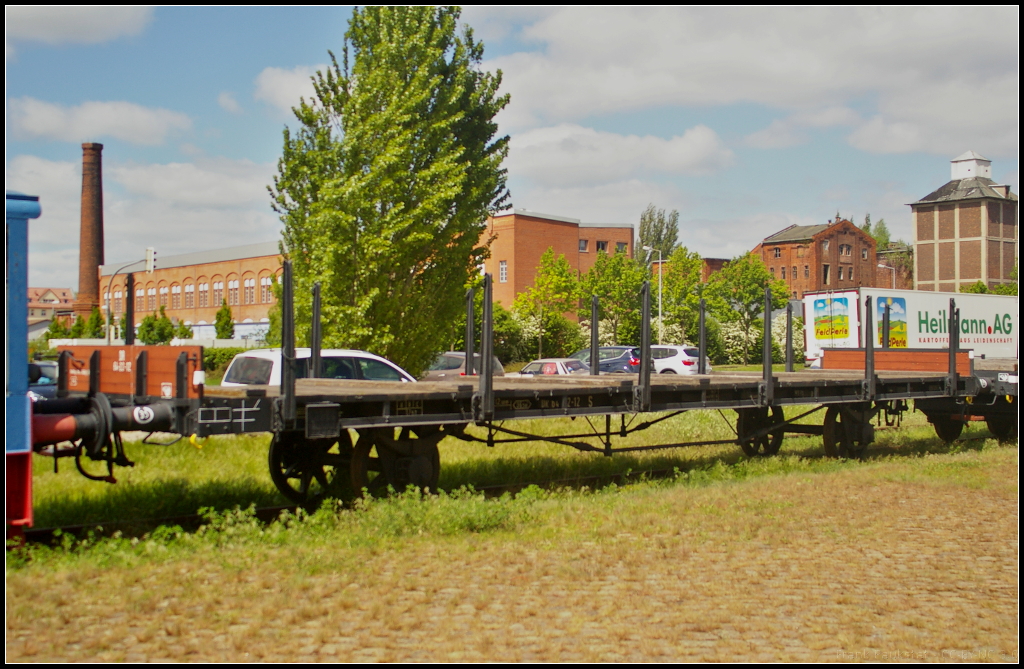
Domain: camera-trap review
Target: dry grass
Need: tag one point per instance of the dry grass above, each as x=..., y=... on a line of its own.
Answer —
x=896, y=560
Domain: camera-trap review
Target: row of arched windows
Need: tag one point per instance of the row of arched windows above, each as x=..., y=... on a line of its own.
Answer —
x=196, y=293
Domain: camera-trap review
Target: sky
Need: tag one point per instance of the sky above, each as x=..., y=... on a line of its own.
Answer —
x=744, y=120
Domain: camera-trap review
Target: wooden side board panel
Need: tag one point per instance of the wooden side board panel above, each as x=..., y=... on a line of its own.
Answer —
x=897, y=360
x=119, y=366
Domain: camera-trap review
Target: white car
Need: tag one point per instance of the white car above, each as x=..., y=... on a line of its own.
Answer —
x=552, y=367
x=677, y=359
x=262, y=367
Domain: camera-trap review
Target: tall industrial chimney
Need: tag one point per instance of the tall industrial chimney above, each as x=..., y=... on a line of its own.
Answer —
x=90, y=255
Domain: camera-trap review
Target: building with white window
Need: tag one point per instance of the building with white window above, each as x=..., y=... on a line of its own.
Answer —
x=521, y=237
x=193, y=286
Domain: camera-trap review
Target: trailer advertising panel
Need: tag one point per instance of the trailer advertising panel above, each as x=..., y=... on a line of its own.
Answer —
x=917, y=319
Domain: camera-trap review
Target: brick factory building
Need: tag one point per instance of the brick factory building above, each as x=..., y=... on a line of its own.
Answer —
x=809, y=258
x=522, y=237
x=193, y=286
x=966, y=231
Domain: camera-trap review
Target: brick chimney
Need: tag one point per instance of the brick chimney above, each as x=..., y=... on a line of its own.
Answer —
x=90, y=255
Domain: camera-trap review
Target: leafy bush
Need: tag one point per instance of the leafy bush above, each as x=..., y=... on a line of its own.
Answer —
x=56, y=330
x=156, y=329
x=218, y=358
x=713, y=335
x=559, y=337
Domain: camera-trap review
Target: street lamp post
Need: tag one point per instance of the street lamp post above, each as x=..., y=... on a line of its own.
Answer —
x=661, y=327
x=110, y=289
x=893, y=270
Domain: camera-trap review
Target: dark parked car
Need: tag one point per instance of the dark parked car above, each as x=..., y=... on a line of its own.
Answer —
x=613, y=359
x=42, y=379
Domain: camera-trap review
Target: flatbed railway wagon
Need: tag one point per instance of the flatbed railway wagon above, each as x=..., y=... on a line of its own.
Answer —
x=370, y=435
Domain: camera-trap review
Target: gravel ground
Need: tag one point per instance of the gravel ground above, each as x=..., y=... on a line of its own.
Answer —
x=875, y=563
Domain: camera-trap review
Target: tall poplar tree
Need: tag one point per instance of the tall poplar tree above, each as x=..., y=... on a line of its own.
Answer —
x=385, y=187
x=659, y=230
x=681, y=280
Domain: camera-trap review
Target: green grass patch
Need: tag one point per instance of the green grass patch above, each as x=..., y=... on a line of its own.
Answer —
x=231, y=471
x=376, y=524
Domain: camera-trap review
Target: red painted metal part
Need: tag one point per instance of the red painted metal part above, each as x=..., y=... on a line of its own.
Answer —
x=19, y=492
x=53, y=428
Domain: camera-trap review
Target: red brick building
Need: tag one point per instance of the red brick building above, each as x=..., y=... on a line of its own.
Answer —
x=966, y=231
x=520, y=239
x=193, y=286
x=809, y=258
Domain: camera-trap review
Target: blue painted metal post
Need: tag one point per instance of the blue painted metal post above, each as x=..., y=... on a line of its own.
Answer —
x=18, y=463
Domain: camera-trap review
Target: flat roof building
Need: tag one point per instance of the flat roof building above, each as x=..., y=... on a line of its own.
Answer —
x=520, y=238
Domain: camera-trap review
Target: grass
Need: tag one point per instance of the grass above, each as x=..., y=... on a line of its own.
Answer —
x=781, y=367
x=782, y=559
x=230, y=471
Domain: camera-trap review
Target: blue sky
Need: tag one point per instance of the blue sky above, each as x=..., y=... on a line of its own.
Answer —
x=745, y=120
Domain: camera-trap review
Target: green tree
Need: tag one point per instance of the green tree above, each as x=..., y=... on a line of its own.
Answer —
x=867, y=224
x=616, y=280
x=183, y=331
x=681, y=288
x=156, y=329
x=224, y=322
x=737, y=295
x=555, y=290
x=56, y=330
x=77, y=328
x=880, y=232
x=385, y=187
x=659, y=230
x=555, y=286
x=95, y=325
x=509, y=343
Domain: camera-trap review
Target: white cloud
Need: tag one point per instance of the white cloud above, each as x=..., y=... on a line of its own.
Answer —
x=619, y=202
x=228, y=103
x=177, y=208
x=779, y=135
x=211, y=183
x=570, y=154
x=73, y=25
x=282, y=89
x=59, y=187
x=791, y=131
x=494, y=24
x=89, y=121
x=729, y=237
x=950, y=72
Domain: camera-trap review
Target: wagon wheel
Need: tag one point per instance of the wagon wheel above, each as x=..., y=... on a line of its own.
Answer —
x=755, y=420
x=837, y=442
x=947, y=428
x=380, y=460
x=310, y=470
x=1002, y=426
